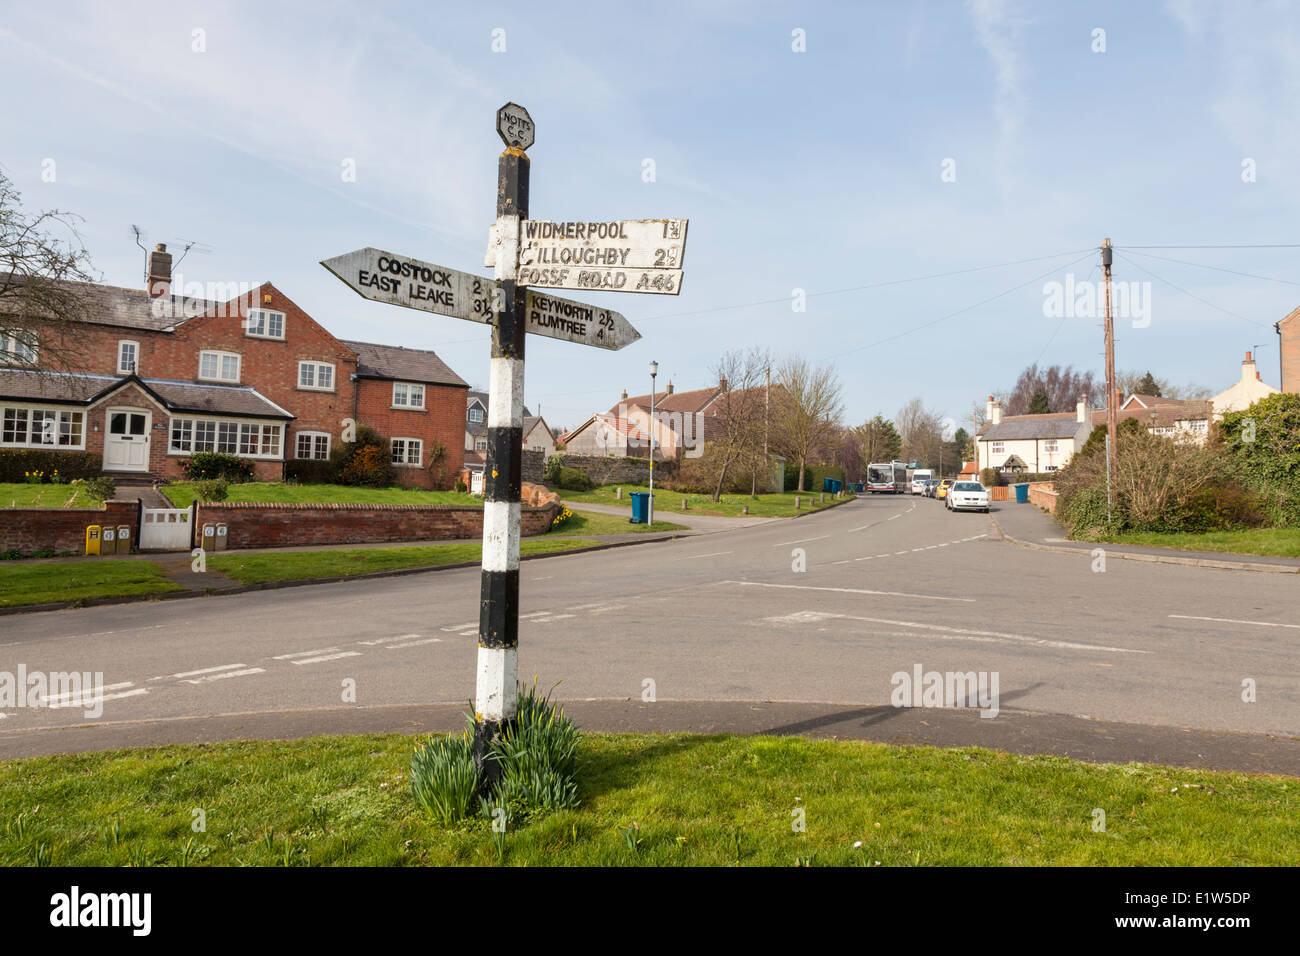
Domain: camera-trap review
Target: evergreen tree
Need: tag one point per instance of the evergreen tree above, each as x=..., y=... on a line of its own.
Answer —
x=1038, y=405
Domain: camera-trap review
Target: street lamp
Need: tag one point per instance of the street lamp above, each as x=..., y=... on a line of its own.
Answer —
x=650, y=516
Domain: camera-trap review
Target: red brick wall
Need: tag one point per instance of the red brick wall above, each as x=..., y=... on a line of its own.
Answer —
x=1290, y=345
x=442, y=420
x=284, y=525
x=61, y=529
x=1043, y=495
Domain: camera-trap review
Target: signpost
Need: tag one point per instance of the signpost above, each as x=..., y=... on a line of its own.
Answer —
x=638, y=255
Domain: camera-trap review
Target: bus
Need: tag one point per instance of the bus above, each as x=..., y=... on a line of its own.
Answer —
x=888, y=477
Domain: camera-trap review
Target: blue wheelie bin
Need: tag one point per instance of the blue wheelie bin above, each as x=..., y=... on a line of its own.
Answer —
x=1022, y=494
x=640, y=506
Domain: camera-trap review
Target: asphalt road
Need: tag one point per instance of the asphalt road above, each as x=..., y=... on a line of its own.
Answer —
x=890, y=584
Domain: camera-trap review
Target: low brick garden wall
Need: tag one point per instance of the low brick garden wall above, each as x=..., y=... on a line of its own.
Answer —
x=1043, y=494
x=62, y=529
x=252, y=525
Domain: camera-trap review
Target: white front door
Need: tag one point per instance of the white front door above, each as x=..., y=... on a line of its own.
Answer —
x=126, y=440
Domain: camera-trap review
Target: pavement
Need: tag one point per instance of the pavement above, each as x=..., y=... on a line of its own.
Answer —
x=817, y=623
x=693, y=521
x=1027, y=524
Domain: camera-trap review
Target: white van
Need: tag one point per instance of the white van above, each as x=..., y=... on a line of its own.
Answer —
x=919, y=478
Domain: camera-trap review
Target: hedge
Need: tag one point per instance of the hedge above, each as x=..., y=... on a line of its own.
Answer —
x=15, y=462
x=812, y=476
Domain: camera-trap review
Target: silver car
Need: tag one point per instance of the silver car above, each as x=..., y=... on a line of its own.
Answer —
x=967, y=496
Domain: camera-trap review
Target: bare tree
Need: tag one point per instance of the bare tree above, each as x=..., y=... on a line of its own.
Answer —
x=922, y=432
x=1132, y=382
x=40, y=274
x=1062, y=385
x=734, y=421
x=806, y=415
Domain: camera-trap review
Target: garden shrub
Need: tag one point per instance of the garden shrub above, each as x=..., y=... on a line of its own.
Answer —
x=365, y=461
x=101, y=489
x=554, y=464
x=206, y=465
x=211, y=489
x=571, y=479
x=16, y=462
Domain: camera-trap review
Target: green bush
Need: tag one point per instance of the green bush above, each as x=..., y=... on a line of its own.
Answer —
x=211, y=489
x=206, y=465
x=1263, y=443
x=571, y=479
x=461, y=486
x=307, y=471
x=554, y=465
x=101, y=489
x=16, y=462
x=812, y=476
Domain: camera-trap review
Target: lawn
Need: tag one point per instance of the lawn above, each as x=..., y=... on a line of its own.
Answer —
x=674, y=800
x=593, y=522
x=344, y=562
x=78, y=580
x=182, y=494
x=1270, y=542
x=14, y=495
x=764, y=506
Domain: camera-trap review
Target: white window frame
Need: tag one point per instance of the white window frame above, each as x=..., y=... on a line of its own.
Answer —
x=64, y=417
x=220, y=360
x=407, y=444
x=1051, y=445
x=135, y=352
x=997, y=447
x=16, y=352
x=482, y=415
x=186, y=432
x=409, y=394
x=480, y=444
x=316, y=369
x=265, y=316
x=314, y=436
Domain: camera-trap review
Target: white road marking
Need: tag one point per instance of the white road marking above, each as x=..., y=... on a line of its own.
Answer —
x=224, y=674
x=79, y=698
x=845, y=561
x=953, y=633
x=715, y=554
x=808, y=587
x=427, y=640
x=461, y=627
x=204, y=670
x=385, y=640
x=326, y=657
x=1228, y=620
x=800, y=541
x=319, y=650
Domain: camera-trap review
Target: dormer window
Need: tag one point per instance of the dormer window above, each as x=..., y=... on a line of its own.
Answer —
x=265, y=324
x=476, y=414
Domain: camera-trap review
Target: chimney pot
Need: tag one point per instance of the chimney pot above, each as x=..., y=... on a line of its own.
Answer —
x=670, y=386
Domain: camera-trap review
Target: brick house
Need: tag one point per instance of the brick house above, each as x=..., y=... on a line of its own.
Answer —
x=1288, y=332
x=159, y=377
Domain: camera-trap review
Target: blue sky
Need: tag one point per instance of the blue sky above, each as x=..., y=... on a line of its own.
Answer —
x=818, y=170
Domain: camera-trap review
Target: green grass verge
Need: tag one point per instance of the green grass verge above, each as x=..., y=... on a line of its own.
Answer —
x=764, y=506
x=593, y=522
x=1269, y=542
x=182, y=495
x=14, y=495
x=342, y=562
x=78, y=580
x=646, y=800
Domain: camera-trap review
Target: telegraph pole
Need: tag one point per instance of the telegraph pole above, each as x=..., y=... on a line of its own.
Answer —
x=498, y=622
x=1111, y=411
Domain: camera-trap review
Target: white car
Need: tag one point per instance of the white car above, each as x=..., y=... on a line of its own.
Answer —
x=919, y=478
x=967, y=496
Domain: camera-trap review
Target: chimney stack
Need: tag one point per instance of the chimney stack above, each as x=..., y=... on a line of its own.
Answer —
x=1248, y=369
x=159, y=281
x=1081, y=410
x=624, y=395
x=722, y=382
x=995, y=412
x=988, y=410
x=670, y=386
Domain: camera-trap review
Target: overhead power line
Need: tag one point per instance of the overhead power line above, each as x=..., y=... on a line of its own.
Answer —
x=1291, y=245
x=1202, y=265
x=1192, y=295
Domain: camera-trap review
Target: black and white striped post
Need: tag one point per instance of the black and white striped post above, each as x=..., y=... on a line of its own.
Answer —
x=498, y=627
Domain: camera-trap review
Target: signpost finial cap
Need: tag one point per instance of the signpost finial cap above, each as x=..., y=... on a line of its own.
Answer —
x=515, y=126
